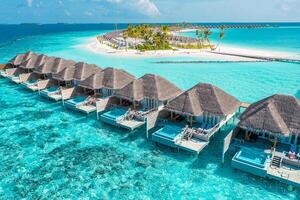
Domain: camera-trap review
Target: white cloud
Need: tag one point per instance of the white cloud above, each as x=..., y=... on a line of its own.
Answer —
x=146, y=7
x=67, y=13
x=87, y=13
x=29, y=3
x=149, y=7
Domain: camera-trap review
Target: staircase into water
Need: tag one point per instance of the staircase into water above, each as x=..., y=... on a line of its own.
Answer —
x=276, y=161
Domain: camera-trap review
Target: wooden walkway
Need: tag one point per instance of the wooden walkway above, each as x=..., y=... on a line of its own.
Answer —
x=285, y=174
x=266, y=58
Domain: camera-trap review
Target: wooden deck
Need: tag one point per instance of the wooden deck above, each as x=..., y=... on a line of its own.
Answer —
x=86, y=108
x=287, y=174
x=245, y=105
x=131, y=124
x=192, y=145
x=55, y=97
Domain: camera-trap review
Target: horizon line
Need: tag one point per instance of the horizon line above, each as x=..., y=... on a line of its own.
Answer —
x=126, y=23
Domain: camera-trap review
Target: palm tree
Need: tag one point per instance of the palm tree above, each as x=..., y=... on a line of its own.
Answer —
x=125, y=36
x=165, y=33
x=200, y=35
x=221, y=36
x=207, y=32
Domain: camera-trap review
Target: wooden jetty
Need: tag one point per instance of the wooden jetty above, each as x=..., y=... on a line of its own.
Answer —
x=266, y=58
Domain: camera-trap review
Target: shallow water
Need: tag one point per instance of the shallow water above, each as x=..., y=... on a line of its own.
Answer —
x=247, y=81
x=281, y=39
x=48, y=151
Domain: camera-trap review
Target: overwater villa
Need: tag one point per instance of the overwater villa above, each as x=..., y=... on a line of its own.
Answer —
x=268, y=137
x=11, y=65
x=13, y=68
x=74, y=76
x=53, y=85
x=192, y=118
x=63, y=79
x=45, y=72
x=138, y=98
x=26, y=67
x=30, y=77
x=83, y=71
x=97, y=87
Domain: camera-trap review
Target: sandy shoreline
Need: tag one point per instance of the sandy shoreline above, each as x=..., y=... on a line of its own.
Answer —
x=94, y=46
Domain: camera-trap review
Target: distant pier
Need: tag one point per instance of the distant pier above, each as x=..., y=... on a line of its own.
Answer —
x=265, y=58
x=226, y=26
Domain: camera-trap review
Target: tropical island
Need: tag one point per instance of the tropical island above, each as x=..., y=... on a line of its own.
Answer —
x=150, y=37
x=149, y=40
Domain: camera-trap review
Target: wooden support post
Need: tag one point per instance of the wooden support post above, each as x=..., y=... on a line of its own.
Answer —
x=147, y=131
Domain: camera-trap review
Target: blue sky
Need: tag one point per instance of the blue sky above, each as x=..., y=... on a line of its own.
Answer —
x=97, y=11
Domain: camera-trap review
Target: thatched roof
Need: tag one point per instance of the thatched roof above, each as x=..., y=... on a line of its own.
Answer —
x=149, y=86
x=110, y=78
x=204, y=98
x=60, y=64
x=17, y=60
x=67, y=74
x=46, y=67
x=29, y=60
x=27, y=56
x=275, y=114
x=84, y=70
x=41, y=59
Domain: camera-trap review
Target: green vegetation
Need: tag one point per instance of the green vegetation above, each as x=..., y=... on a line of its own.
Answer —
x=193, y=46
x=156, y=38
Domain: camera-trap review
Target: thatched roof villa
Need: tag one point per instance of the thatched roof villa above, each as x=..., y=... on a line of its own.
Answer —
x=60, y=64
x=83, y=71
x=97, y=86
x=107, y=81
x=29, y=61
x=66, y=75
x=205, y=107
x=204, y=103
x=269, y=138
x=17, y=60
x=277, y=116
x=151, y=91
x=46, y=67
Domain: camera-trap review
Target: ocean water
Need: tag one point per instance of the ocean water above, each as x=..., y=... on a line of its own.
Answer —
x=48, y=152
x=280, y=39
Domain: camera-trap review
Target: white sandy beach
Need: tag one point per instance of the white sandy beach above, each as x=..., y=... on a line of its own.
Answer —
x=237, y=53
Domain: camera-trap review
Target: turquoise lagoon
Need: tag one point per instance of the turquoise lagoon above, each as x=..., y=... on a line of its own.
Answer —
x=47, y=151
